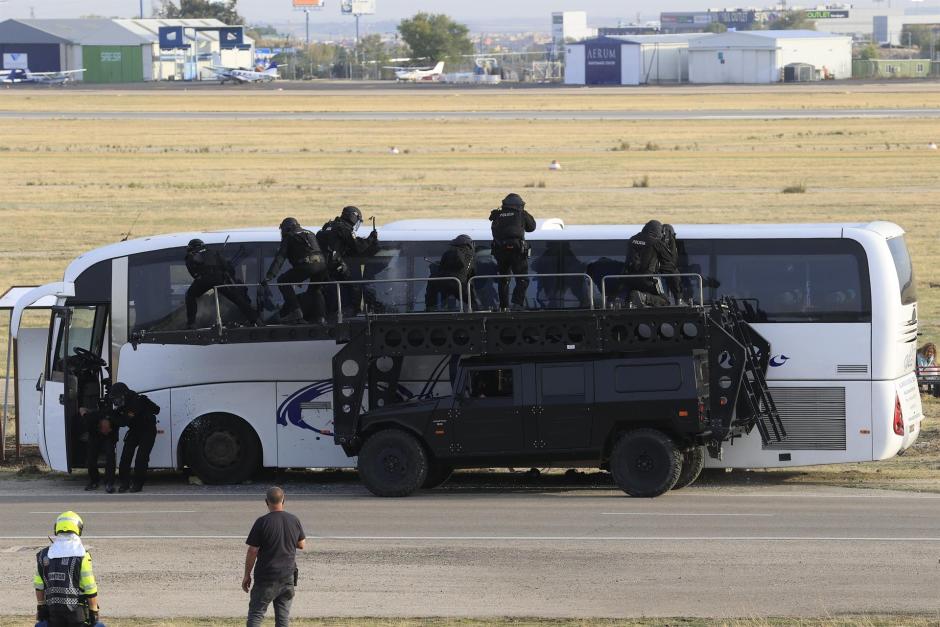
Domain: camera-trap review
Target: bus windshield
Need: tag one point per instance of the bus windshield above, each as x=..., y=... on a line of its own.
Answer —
x=904, y=268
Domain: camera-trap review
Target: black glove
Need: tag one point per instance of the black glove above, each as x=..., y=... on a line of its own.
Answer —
x=373, y=235
x=42, y=612
x=92, y=617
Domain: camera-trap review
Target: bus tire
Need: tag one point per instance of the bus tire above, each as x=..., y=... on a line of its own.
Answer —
x=438, y=474
x=645, y=463
x=392, y=463
x=222, y=448
x=693, y=461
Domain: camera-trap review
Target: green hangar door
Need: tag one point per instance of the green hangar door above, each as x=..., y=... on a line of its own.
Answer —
x=112, y=64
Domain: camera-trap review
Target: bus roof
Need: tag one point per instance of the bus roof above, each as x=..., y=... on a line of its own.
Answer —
x=553, y=229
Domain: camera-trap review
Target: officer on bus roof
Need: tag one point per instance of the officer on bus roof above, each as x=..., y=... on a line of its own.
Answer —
x=509, y=225
x=339, y=242
x=301, y=248
x=645, y=253
x=457, y=262
x=210, y=269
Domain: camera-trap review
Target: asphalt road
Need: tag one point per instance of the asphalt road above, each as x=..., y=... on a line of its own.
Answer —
x=757, y=114
x=565, y=551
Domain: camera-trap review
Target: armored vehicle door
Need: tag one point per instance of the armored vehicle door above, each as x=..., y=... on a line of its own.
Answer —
x=563, y=408
x=489, y=418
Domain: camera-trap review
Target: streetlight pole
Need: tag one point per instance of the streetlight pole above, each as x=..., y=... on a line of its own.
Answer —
x=141, y=9
x=307, y=22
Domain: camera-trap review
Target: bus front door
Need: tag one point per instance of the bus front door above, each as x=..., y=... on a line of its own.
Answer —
x=72, y=380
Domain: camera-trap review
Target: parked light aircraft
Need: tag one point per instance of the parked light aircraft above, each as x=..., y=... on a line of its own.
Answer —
x=415, y=74
x=241, y=75
x=45, y=78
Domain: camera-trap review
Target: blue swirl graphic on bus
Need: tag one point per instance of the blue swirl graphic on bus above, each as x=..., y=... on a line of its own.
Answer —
x=778, y=360
x=291, y=410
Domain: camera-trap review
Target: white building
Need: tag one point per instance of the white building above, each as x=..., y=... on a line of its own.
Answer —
x=629, y=60
x=570, y=26
x=760, y=56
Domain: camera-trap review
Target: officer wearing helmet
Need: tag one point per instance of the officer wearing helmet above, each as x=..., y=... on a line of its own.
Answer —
x=645, y=253
x=300, y=247
x=139, y=414
x=509, y=225
x=210, y=269
x=66, y=592
x=457, y=262
x=339, y=242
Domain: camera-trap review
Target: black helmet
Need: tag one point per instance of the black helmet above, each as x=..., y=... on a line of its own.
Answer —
x=513, y=201
x=462, y=240
x=352, y=215
x=289, y=225
x=119, y=392
x=654, y=228
x=195, y=244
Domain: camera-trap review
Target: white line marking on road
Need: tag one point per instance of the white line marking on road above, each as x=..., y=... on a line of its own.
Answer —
x=522, y=538
x=681, y=514
x=139, y=511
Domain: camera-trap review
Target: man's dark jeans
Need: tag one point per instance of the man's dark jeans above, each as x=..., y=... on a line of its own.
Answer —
x=262, y=594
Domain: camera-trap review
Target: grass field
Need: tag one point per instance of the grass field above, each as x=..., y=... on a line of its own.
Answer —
x=72, y=185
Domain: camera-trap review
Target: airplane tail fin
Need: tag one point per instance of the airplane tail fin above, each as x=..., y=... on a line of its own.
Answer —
x=272, y=68
x=439, y=67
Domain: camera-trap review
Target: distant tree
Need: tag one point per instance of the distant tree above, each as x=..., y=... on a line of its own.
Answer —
x=435, y=37
x=923, y=36
x=867, y=52
x=262, y=31
x=716, y=27
x=223, y=10
x=792, y=20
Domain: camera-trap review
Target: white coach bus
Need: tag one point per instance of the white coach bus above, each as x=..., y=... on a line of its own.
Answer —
x=836, y=301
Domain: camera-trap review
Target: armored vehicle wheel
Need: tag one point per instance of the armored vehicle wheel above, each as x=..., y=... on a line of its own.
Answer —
x=693, y=461
x=438, y=474
x=645, y=463
x=392, y=463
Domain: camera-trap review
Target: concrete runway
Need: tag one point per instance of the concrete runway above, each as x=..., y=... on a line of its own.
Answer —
x=554, y=551
x=757, y=114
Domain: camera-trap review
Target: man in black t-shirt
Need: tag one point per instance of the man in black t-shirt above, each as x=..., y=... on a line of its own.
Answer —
x=272, y=547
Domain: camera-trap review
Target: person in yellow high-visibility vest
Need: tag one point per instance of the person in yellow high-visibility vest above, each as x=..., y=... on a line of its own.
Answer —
x=66, y=592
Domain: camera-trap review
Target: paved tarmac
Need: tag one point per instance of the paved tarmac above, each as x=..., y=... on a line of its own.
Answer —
x=560, y=550
x=757, y=114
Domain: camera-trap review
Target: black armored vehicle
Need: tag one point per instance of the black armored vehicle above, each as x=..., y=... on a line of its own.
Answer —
x=644, y=393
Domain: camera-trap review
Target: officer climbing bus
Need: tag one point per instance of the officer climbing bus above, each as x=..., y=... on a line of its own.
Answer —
x=510, y=224
x=301, y=248
x=339, y=242
x=210, y=269
x=66, y=592
x=458, y=262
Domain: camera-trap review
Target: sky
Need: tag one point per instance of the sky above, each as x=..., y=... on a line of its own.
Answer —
x=280, y=10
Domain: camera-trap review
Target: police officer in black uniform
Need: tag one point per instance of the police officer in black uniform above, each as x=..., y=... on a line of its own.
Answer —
x=102, y=438
x=339, y=242
x=139, y=414
x=301, y=248
x=210, y=269
x=509, y=225
x=458, y=262
x=645, y=252
x=669, y=263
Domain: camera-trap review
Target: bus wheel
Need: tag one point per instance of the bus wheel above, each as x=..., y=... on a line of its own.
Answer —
x=645, y=463
x=438, y=474
x=392, y=463
x=222, y=448
x=693, y=461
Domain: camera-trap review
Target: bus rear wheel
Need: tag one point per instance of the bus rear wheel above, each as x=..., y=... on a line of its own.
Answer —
x=693, y=461
x=221, y=448
x=392, y=463
x=645, y=463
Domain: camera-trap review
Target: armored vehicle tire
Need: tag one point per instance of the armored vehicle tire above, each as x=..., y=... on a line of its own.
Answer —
x=693, y=461
x=392, y=463
x=438, y=474
x=645, y=463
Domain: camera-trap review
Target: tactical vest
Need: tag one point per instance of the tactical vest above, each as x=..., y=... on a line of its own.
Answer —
x=301, y=247
x=61, y=576
x=509, y=224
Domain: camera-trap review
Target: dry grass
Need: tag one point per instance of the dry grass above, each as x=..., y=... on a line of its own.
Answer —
x=69, y=186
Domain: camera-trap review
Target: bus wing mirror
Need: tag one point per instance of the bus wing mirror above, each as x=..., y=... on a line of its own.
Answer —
x=39, y=381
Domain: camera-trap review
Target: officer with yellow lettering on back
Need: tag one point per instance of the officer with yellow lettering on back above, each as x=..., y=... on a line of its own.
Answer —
x=66, y=592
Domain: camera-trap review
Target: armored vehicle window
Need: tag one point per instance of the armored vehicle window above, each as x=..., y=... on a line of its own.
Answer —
x=648, y=378
x=491, y=383
x=562, y=381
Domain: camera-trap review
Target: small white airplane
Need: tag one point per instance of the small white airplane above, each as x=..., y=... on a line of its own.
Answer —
x=42, y=78
x=241, y=75
x=415, y=74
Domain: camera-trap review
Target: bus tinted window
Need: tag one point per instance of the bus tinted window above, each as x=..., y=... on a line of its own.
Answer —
x=812, y=280
x=905, y=269
x=158, y=280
